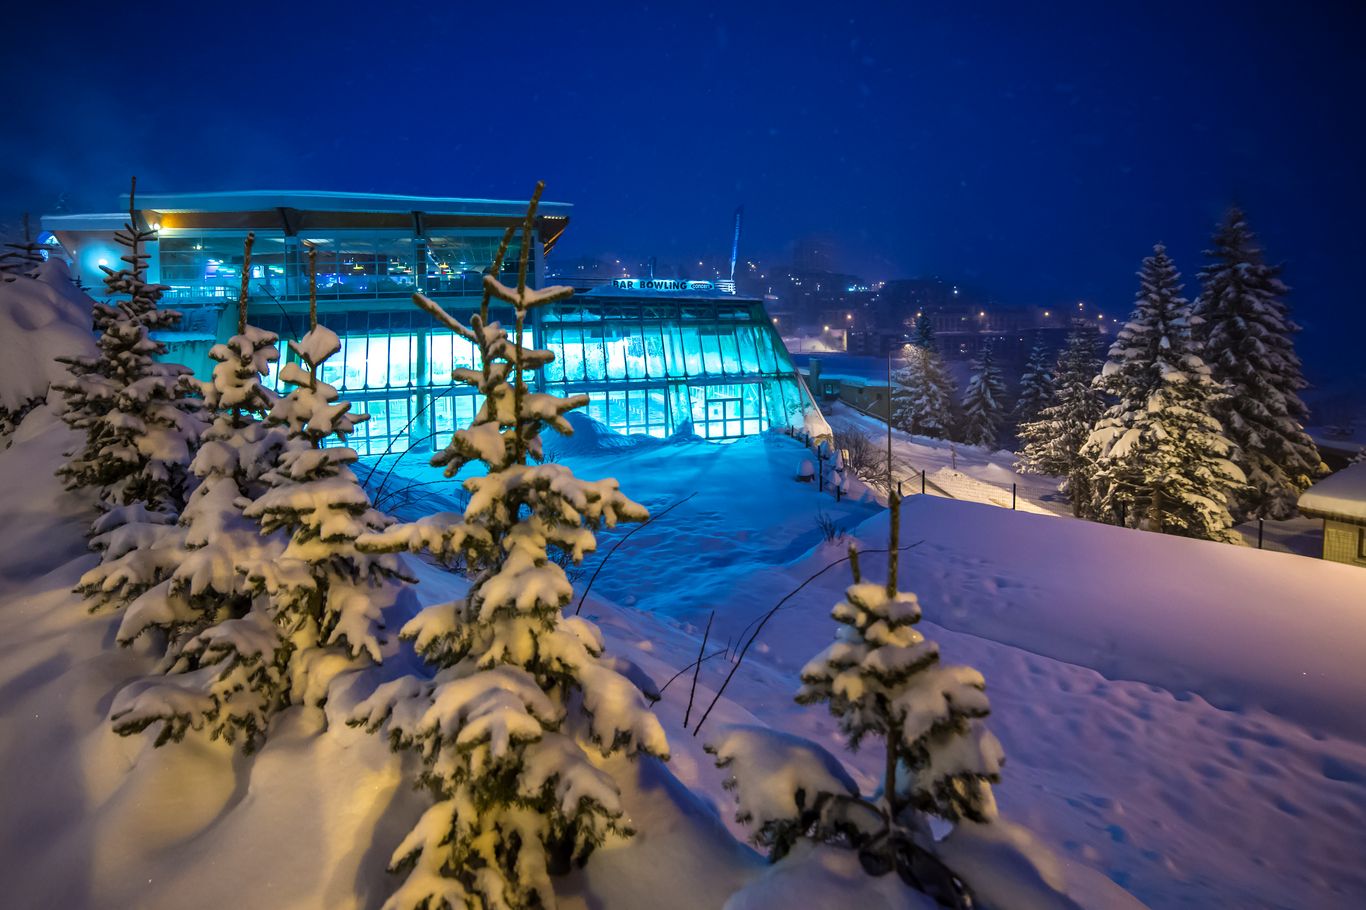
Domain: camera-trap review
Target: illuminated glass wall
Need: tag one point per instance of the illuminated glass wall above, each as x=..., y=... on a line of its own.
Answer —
x=648, y=367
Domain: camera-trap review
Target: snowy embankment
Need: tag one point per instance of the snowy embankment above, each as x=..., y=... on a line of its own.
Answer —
x=96, y=820
x=1091, y=644
x=1131, y=674
x=41, y=319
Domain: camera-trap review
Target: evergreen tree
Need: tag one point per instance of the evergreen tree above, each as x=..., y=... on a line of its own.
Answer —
x=23, y=258
x=922, y=394
x=138, y=417
x=518, y=684
x=884, y=681
x=1247, y=337
x=1036, y=384
x=178, y=575
x=273, y=599
x=1053, y=442
x=984, y=402
x=1163, y=461
x=924, y=333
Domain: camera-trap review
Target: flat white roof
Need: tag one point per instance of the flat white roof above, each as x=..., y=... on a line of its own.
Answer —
x=319, y=200
x=1341, y=495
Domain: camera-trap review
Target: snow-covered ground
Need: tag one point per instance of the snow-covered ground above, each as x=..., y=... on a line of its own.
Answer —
x=1183, y=719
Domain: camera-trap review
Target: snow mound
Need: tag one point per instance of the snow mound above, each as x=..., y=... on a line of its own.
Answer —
x=41, y=319
x=589, y=437
x=826, y=877
x=1240, y=627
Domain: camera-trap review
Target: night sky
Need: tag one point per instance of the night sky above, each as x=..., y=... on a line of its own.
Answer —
x=1034, y=154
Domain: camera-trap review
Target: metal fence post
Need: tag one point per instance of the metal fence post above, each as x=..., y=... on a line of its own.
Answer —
x=1012, y=497
x=922, y=480
x=1260, y=524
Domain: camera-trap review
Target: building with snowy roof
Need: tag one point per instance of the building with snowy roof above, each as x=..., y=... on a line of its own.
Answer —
x=1340, y=500
x=654, y=356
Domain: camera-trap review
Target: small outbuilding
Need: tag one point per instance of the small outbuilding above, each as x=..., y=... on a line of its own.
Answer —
x=1340, y=500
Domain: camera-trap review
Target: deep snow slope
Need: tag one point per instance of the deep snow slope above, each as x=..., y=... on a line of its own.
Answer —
x=41, y=319
x=1134, y=676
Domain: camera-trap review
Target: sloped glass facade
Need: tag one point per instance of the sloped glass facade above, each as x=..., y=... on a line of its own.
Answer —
x=653, y=357
x=647, y=366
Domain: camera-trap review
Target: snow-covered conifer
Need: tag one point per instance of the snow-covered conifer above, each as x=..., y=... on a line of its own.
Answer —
x=23, y=258
x=1162, y=459
x=924, y=333
x=139, y=419
x=881, y=680
x=1247, y=335
x=922, y=394
x=1036, y=384
x=984, y=405
x=1053, y=442
x=271, y=599
x=325, y=595
x=519, y=686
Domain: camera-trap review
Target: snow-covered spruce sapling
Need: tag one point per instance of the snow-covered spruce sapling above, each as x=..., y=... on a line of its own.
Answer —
x=139, y=418
x=881, y=679
x=299, y=603
x=1246, y=337
x=22, y=258
x=1162, y=458
x=180, y=574
x=984, y=406
x=325, y=595
x=520, y=691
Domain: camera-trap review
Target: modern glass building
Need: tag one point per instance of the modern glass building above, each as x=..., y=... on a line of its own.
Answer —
x=653, y=356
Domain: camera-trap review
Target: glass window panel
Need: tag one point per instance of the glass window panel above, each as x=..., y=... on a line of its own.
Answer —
x=692, y=351
x=616, y=411
x=749, y=354
x=615, y=344
x=354, y=352
x=711, y=351
x=730, y=351
x=594, y=357
x=767, y=361
x=634, y=351
x=654, y=350
x=554, y=342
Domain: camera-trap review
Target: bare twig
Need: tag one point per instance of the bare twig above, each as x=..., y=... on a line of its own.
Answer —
x=623, y=540
x=697, y=668
x=760, y=627
x=685, y=670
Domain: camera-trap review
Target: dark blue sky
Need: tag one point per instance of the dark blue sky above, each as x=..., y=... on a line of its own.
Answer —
x=1035, y=153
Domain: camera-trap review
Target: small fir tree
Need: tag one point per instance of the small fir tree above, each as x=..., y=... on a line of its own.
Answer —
x=922, y=394
x=881, y=680
x=984, y=402
x=1036, y=384
x=1053, y=442
x=297, y=602
x=139, y=419
x=180, y=575
x=518, y=684
x=1163, y=461
x=924, y=333
x=23, y=258
x=1247, y=337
